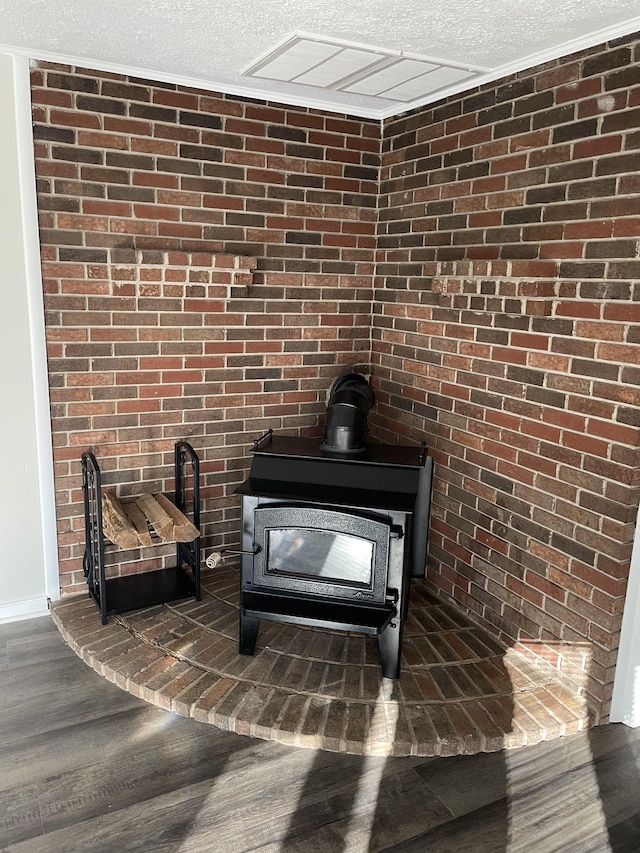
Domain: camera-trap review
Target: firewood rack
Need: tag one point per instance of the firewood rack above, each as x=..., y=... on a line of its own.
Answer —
x=144, y=589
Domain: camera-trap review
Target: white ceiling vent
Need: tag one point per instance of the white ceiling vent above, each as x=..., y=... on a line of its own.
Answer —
x=360, y=69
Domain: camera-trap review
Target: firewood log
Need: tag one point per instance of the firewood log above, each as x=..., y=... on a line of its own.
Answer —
x=116, y=524
x=139, y=521
x=157, y=517
x=183, y=529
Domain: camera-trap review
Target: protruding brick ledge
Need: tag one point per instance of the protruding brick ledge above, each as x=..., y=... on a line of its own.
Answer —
x=460, y=692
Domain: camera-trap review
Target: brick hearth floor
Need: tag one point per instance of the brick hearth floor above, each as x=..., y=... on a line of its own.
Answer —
x=460, y=691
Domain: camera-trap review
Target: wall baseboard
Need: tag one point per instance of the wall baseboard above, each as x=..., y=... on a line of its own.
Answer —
x=29, y=609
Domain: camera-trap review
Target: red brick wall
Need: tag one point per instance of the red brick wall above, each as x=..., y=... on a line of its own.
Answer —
x=503, y=328
x=155, y=202
x=506, y=331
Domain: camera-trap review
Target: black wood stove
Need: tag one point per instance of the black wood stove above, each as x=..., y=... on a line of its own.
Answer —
x=331, y=537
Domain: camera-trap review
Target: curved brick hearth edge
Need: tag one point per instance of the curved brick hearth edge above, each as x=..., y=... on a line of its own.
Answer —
x=460, y=692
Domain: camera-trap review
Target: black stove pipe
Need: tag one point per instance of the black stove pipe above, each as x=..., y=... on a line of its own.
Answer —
x=345, y=421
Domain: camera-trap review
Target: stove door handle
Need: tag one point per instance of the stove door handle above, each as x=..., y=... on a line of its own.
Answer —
x=256, y=550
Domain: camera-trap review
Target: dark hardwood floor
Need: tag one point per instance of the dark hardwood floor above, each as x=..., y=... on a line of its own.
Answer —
x=84, y=766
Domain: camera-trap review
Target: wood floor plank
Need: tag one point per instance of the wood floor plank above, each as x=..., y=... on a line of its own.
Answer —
x=465, y=785
x=485, y=830
x=41, y=754
x=20, y=815
x=33, y=680
x=624, y=837
x=54, y=709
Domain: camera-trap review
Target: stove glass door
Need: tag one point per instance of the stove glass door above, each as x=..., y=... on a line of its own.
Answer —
x=320, y=554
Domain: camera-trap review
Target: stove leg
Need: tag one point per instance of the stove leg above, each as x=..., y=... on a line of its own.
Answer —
x=390, y=645
x=249, y=627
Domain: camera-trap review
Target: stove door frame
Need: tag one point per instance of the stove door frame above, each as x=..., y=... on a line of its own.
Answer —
x=376, y=530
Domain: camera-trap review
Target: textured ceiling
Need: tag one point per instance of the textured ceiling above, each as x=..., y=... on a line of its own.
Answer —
x=208, y=43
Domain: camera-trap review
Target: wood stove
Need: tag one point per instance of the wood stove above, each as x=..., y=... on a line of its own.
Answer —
x=332, y=537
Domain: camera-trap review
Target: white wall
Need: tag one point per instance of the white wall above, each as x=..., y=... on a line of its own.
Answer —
x=625, y=702
x=28, y=563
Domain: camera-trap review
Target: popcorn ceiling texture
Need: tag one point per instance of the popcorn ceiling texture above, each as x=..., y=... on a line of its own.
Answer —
x=197, y=43
x=211, y=264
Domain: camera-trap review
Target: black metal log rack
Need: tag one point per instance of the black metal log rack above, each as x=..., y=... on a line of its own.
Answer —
x=144, y=589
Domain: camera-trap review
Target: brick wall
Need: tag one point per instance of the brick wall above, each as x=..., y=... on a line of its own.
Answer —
x=207, y=268
x=503, y=328
x=506, y=331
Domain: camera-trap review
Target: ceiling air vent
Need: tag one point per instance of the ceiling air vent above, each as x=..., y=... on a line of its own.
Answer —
x=359, y=69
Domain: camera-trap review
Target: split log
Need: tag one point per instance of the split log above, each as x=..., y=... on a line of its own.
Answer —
x=183, y=529
x=116, y=524
x=139, y=521
x=157, y=517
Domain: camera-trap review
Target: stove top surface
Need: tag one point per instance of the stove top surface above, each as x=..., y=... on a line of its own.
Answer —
x=290, y=446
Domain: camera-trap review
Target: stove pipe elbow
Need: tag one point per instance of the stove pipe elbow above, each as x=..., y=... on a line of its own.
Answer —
x=345, y=421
